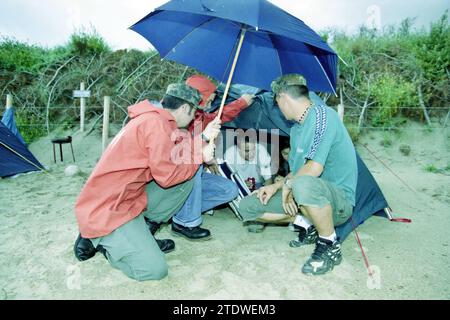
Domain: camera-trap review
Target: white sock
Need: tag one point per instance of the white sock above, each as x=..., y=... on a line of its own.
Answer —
x=303, y=222
x=332, y=237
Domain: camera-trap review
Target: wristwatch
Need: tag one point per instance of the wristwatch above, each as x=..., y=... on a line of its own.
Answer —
x=288, y=183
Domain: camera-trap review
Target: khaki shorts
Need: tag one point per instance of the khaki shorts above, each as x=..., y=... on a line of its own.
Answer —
x=307, y=191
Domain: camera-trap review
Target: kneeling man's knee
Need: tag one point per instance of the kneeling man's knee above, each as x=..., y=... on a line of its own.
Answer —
x=154, y=271
x=250, y=208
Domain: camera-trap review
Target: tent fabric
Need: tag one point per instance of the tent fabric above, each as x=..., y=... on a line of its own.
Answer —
x=263, y=114
x=11, y=163
x=203, y=35
x=369, y=201
x=10, y=123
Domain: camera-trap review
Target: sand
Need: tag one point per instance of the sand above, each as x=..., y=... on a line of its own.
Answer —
x=38, y=228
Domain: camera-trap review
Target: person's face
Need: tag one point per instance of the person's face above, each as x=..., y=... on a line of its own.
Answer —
x=247, y=150
x=210, y=100
x=285, y=153
x=282, y=101
x=185, y=115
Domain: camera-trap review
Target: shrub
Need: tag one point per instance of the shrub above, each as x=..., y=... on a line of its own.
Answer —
x=87, y=42
x=17, y=56
x=391, y=92
x=431, y=168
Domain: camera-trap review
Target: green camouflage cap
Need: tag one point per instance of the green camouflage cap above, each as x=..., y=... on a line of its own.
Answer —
x=184, y=92
x=287, y=80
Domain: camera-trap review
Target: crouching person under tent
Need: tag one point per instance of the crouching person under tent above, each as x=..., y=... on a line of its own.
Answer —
x=320, y=189
x=111, y=207
x=210, y=190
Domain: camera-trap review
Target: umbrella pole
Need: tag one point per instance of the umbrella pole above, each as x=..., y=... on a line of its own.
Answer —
x=230, y=77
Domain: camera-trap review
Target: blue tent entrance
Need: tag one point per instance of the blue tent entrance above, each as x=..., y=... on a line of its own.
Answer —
x=14, y=155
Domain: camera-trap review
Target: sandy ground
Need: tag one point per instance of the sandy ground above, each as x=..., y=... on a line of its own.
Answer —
x=38, y=228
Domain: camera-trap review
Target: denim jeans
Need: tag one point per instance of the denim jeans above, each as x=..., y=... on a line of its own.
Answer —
x=209, y=191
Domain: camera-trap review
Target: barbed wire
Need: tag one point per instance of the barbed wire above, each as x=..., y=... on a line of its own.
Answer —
x=346, y=107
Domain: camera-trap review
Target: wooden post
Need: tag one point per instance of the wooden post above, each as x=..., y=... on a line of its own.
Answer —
x=82, y=108
x=9, y=101
x=106, y=107
x=341, y=107
x=422, y=104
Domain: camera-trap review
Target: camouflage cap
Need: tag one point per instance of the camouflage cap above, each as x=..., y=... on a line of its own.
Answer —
x=287, y=80
x=184, y=92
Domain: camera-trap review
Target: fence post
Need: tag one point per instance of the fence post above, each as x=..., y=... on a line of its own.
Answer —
x=9, y=101
x=106, y=107
x=341, y=107
x=82, y=108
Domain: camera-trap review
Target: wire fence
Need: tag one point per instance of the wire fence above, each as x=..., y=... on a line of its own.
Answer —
x=350, y=113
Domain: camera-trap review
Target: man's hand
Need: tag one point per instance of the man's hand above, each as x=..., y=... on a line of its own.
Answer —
x=289, y=205
x=248, y=98
x=212, y=130
x=208, y=152
x=264, y=194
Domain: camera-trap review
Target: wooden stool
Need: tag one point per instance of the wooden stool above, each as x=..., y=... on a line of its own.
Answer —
x=61, y=141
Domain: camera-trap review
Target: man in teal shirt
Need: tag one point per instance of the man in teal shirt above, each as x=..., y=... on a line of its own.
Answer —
x=319, y=193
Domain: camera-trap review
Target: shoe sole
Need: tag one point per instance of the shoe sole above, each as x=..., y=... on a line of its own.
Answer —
x=323, y=272
x=177, y=234
x=298, y=244
x=168, y=251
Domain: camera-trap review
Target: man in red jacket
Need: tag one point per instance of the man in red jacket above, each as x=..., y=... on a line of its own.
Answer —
x=209, y=190
x=111, y=206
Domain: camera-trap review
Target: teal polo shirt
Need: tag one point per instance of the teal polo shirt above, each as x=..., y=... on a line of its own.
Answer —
x=323, y=138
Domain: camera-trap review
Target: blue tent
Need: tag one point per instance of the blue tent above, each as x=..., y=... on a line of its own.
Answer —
x=369, y=200
x=9, y=122
x=263, y=114
x=13, y=154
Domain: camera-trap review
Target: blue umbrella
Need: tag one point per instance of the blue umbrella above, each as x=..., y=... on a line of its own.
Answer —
x=264, y=40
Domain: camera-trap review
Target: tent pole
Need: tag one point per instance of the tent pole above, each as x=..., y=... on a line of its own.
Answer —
x=388, y=213
x=230, y=77
x=9, y=101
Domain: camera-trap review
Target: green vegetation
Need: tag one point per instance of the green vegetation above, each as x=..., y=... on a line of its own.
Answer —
x=387, y=141
x=387, y=74
x=394, y=72
x=42, y=80
x=431, y=168
x=87, y=43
